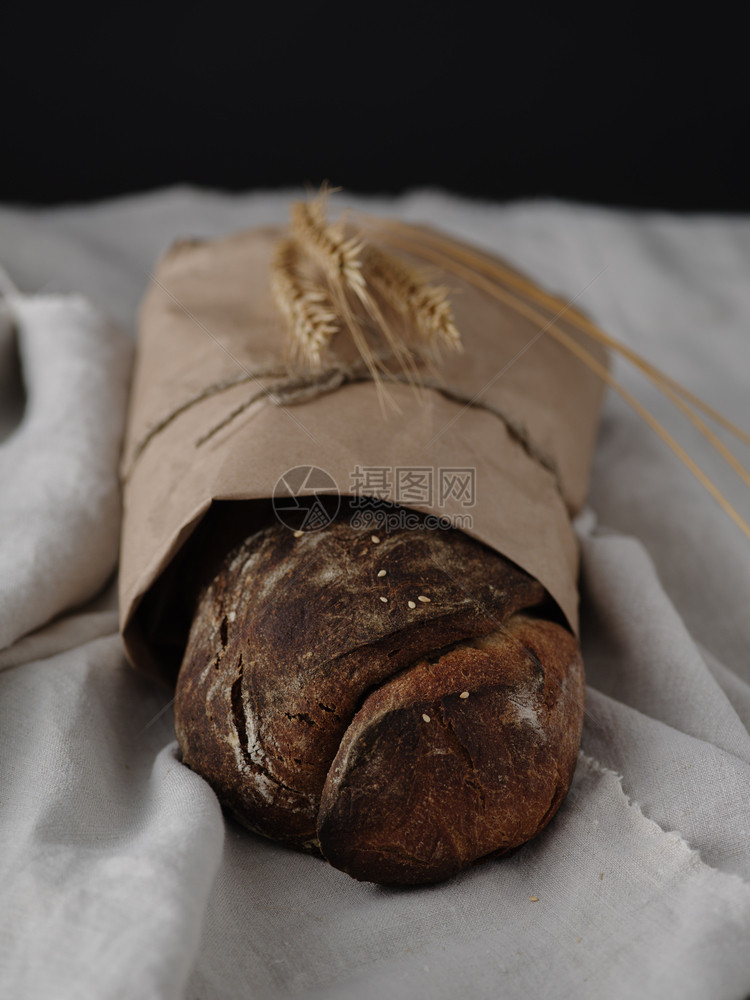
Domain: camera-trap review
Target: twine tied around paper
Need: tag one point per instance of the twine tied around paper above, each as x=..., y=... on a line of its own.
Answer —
x=294, y=388
x=327, y=283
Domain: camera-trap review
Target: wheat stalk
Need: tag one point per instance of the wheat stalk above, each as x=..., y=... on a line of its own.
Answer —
x=493, y=266
x=340, y=260
x=491, y=282
x=327, y=244
x=686, y=401
x=305, y=304
x=404, y=288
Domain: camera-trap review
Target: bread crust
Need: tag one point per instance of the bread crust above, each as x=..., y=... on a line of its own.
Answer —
x=302, y=694
x=458, y=759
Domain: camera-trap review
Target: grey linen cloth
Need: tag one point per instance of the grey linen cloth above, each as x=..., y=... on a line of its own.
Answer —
x=119, y=878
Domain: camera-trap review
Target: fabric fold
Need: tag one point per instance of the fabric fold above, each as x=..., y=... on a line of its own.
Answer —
x=60, y=501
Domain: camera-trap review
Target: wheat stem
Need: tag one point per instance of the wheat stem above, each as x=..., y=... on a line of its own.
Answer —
x=503, y=295
x=676, y=393
x=497, y=269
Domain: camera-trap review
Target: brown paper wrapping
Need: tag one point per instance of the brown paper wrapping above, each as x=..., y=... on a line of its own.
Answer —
x=209, y=317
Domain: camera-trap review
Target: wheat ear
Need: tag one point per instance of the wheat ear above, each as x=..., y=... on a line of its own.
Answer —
x=305, y=304
x=340, y=259
x=407, y=291
x=327, y=245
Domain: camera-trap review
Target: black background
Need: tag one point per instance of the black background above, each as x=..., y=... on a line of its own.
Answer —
x=615, y=105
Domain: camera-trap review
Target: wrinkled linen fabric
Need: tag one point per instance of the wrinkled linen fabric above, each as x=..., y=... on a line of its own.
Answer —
x=59, y=502
x=119, y=877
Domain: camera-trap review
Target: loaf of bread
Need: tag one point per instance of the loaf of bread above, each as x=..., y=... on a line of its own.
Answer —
x=402, y=704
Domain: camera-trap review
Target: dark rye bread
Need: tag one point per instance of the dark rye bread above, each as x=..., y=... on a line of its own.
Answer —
x=332, y=720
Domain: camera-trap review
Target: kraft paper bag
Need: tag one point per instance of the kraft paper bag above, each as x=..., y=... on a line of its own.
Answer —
x=498, y=440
